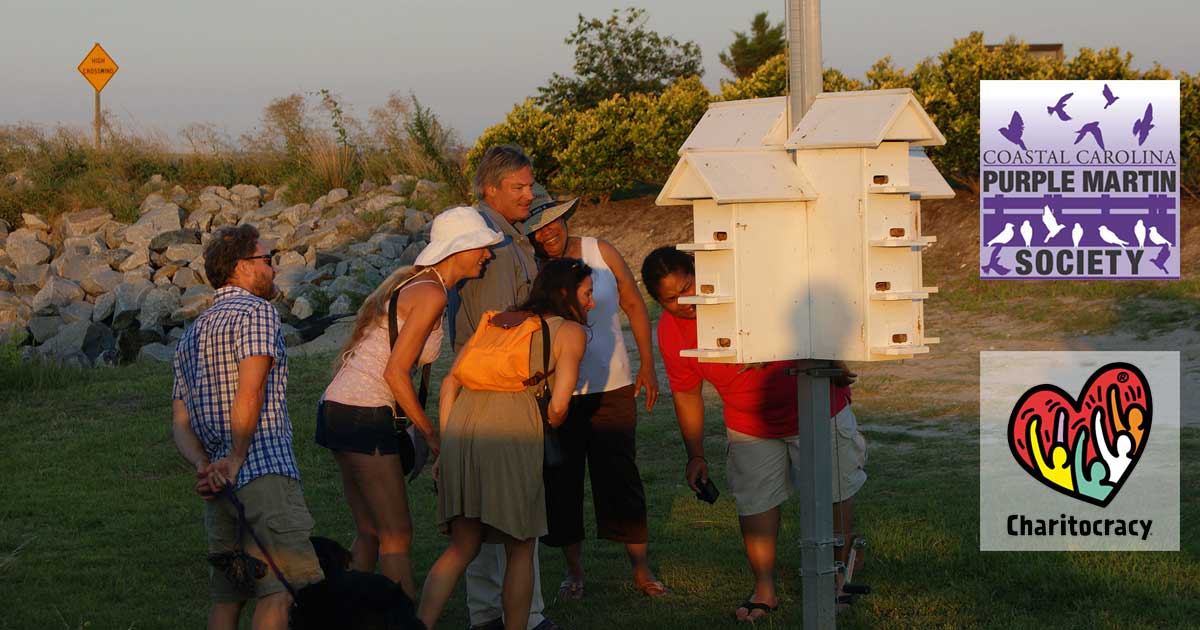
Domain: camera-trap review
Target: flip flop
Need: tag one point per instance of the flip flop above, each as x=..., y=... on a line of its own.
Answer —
x=570, y=589
x=753, y=606
x=652, y=588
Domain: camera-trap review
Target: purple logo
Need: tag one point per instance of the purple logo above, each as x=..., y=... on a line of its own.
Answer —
x=1089, y=190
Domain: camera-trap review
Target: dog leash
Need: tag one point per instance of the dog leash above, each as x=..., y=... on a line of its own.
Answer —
x=244, y=526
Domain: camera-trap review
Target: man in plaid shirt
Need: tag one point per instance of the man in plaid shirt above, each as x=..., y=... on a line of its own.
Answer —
x=231, y=423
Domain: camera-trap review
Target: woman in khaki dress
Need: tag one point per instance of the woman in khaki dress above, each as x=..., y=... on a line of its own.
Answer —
x=490, y=472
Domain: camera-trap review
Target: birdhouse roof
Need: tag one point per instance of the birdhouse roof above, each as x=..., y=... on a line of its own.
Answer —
x=864, y=119
x=736, y=177
x=924, y=176
x=733, y=125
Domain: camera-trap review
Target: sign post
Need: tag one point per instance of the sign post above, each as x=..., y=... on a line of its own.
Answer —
x=98, y=68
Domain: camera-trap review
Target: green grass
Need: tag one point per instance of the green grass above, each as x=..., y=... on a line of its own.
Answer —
x=99, y=527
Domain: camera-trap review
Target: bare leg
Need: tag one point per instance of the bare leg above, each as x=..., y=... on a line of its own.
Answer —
x=271, y=612
x=759, y=533
x=466, y=535
x=843, y=522
x=573, y=557
x=518, y=583
x=639, y=561
x=224, y=615
x=364, y=551
x=380, y=481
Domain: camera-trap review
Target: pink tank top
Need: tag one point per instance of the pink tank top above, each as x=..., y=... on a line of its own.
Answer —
x=360, y=380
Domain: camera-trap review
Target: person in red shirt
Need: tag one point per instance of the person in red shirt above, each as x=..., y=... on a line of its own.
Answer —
x=761, y=419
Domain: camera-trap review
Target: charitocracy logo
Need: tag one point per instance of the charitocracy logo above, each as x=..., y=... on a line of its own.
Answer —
x=1079, y=451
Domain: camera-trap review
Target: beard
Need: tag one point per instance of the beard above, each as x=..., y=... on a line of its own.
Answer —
x=264, y=286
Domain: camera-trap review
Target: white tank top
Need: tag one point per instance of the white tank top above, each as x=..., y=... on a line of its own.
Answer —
x=605, y=364
x=360, y=382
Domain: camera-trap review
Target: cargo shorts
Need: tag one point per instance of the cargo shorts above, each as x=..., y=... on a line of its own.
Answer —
x=276, y=512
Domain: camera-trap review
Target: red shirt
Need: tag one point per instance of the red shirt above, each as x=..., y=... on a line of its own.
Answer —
x=758, y=401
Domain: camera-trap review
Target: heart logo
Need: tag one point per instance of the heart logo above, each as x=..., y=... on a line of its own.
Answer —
x=1085, y=447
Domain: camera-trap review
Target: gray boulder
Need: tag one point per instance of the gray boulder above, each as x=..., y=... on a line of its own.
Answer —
x=84, y=222
x=102, y=282
x=157, y=352
x=195, y=300
x=185, y=278
x=88, y=339
x=115, y=257
x=302, y=308
x=165, y=240
x=295, y=215
x=199, y=219
x=6, y=280
x=79, y=269
x=336, y=195
x=182, y=254
x=165, y=217
x=55, y=294
x=381, y=202
x=392, y=245
x=159, y=306
x=129, y=296
x=331, y=340
x=30, y=279
x=342, y=306
x=409, y=256
x=289, y=280
x=291, y=335
x=24, y=248
x=289, y=258
x=76, y=312
x=414, y=220
x=138, y=258
x=103, y=308
x=43, y=327
x=84, y=245
x=14, y=314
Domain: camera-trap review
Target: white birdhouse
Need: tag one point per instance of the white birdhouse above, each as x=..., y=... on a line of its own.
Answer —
x=808, y=245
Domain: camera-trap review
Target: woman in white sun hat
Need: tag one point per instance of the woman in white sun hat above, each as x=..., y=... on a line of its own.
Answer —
x=357, y=416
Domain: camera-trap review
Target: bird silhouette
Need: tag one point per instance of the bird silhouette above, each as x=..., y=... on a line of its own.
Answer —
x=994, y=264
x=1053, y=227
x=1092, y=128
x=1161, y=259
x=1061, y=107
x=1143, y=125
x=1016, y=127
x=1026, y=232
x=1003, y=237
x=1139, y=232
x=1157, y=238
x=1076, y=235
x=1110, y=237
x=1108, y=96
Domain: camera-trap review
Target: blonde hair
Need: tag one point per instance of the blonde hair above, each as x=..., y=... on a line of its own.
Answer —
x=374, y=308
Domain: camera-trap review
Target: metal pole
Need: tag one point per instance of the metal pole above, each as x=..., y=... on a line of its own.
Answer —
x=97, y=120
x=804, y=57
x=816, y=495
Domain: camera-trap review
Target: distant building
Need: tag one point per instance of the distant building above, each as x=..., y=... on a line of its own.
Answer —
x=1041, y=51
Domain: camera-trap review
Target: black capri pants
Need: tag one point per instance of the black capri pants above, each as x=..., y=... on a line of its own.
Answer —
x=600, y=431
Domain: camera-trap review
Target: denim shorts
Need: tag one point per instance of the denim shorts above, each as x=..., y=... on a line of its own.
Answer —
x=367, y=430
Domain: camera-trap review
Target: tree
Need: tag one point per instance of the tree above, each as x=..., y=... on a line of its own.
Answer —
x=749, y=51
x=618, y=56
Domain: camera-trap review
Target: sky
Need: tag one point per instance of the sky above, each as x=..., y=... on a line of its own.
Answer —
x=221, y=62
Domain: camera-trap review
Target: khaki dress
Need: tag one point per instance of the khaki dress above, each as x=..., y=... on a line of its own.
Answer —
x=491, y=460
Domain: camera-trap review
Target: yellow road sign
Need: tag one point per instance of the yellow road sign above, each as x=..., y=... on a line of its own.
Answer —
x=97, y=67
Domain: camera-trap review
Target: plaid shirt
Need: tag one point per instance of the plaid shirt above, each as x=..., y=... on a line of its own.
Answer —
x=238, y=325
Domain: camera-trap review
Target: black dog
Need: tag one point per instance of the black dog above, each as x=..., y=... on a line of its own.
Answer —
x=351, y=600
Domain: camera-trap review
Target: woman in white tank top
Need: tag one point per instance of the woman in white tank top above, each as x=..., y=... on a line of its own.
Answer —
x=600, y=429
x=355, y=417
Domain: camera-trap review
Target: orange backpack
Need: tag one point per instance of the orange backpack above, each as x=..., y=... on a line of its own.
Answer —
x=496, y=358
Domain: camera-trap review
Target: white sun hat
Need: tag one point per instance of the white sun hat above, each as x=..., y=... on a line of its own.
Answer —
x=457, y=230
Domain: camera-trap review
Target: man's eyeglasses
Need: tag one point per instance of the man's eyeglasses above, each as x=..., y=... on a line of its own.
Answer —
x=266, y=257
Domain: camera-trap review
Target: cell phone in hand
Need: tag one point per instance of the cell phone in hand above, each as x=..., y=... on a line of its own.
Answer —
x=708, y=491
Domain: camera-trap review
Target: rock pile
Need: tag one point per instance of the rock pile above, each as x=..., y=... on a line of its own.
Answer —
x=88, y=290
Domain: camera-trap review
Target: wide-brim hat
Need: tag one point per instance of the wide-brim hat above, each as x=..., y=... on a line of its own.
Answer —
x=457, y=230
x=545, y=209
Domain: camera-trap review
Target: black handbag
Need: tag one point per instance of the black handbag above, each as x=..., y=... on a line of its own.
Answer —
x=552, y=455
x=414, y=452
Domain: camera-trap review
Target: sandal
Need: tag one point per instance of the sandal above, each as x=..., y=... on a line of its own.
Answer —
x=652, y=588
x=570, y=589
x=753, y=606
